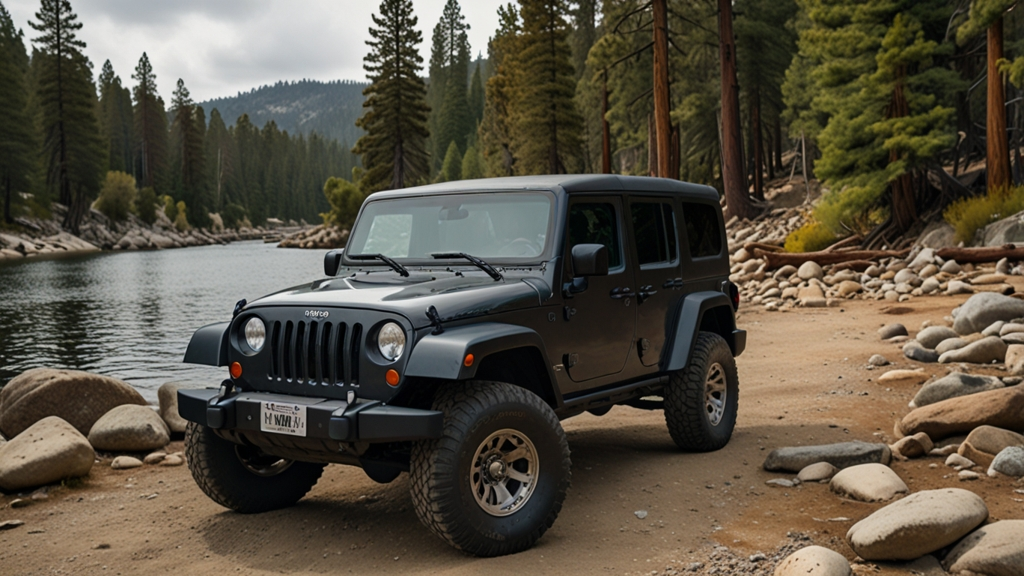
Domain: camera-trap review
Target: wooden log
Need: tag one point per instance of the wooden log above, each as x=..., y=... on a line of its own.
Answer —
x=751, y=246
x=855, y=265
x=982, y=254
x=845, y=243
x=779, y=259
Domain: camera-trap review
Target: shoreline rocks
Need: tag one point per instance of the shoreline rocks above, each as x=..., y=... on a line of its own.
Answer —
x=129, y=428
x=48, y=451
x=841, y=455
x=1002, y=408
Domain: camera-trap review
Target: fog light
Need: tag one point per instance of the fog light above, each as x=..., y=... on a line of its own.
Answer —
x=391, y=377
x=236, y=370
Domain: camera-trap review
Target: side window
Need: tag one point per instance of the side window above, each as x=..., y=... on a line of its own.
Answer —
x=595, y=223
x=703, y=232
x=655, y=230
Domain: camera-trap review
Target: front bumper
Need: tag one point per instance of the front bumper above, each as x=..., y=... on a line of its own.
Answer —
x=366, y=421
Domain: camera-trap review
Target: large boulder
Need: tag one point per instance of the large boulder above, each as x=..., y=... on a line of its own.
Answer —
x=129, y=428
x=1009, y=230
x=984, y=351
x=981, y=310
x=49, y=450
x=954, y=385
x=167, y=394
x=814, y=561
x=1003, y=408
x=993, y=550
x=79, y=398
x=868, y=483
x=984, y=442
x=919, y=524
x=841, y=455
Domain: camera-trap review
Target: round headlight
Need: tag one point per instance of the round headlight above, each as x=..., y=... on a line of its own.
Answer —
x=391, y=341
x=255, y=334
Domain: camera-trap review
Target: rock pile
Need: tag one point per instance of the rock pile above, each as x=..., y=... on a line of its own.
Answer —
x=56, y=419
x=320, y=237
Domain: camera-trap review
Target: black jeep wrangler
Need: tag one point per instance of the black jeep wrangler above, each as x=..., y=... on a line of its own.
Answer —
x=459, y=325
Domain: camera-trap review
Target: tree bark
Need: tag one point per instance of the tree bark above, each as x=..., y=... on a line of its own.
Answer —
x=662, y=122
x=606, y=138
x=756, y=143
x=733, y=176
x=997, y=153
x=779, y=259
x=982, y=254
x=901, y=190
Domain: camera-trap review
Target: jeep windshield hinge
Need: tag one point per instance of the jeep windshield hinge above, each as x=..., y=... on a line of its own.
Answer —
x=435, y=321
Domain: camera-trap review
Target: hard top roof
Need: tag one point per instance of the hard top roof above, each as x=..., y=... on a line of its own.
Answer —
x=570, y=183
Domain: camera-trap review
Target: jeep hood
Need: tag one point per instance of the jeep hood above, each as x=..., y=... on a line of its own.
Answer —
x=455, y=296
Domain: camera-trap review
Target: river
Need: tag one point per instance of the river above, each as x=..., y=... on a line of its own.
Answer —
x=130, y=314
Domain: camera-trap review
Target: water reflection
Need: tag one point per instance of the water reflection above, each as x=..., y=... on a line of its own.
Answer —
x=130, y=315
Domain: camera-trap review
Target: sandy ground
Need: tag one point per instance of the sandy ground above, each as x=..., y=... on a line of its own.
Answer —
x=803, y=381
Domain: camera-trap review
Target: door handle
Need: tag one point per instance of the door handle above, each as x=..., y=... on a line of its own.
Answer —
x=645, y=293
x=673, y=283
x=620, y=293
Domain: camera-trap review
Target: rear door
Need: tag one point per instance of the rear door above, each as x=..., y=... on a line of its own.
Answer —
x=658, y=283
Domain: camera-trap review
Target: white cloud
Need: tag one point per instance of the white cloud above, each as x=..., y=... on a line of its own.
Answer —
x=220, y=47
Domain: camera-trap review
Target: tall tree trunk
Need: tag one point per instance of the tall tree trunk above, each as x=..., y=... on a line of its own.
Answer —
x=662, y=122
x=756, y=144
x=733, y=177
x=778, y=143
x=606, y=138
x=652, y=147
x=7, y=199
x=998, y=154
x=903, y=202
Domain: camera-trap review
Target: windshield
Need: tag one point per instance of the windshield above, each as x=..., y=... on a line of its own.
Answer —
x=491, y=226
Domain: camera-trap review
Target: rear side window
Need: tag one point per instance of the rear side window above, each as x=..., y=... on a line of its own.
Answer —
x=703, y=231
x=655, y=230
x=595, y=223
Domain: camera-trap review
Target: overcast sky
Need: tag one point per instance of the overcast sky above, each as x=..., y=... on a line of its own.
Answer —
x=221, y=47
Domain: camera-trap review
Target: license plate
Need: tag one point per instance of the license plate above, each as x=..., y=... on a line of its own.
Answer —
x=282, y=418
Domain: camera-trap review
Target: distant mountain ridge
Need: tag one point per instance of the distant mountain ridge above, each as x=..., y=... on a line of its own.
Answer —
x=327, y=108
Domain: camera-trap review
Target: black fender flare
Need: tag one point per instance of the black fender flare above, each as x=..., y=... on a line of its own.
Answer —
x=443, y=355
x=209, y=345
x=689, y=321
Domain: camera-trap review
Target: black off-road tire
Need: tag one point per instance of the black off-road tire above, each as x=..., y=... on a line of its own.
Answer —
x=218, y=470
x=442, y=477
x=688, y=412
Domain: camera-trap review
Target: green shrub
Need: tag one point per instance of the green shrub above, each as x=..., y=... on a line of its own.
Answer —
x=145, y=205
x=116, y=196
x=233, y=214
x=968, y=215
x=170, y=209
x=181, y=221
x=345, y=199
x=810, y=237
x=472, y=167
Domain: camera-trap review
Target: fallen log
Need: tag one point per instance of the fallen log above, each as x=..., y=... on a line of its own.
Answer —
x=751, y=246
x=854, y=240
x=780, y=259
x=982, y=254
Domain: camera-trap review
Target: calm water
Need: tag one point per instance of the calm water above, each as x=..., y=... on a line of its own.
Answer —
x=130, y=315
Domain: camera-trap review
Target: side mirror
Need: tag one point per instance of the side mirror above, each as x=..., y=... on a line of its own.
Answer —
x=332, y=261
x=589, y=260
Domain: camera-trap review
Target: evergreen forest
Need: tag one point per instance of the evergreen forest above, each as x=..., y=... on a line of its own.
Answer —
x=886, y=104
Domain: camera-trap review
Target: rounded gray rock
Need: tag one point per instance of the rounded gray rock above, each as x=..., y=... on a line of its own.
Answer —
x=982, y=309
x=892, y=330
x=817, y=472
x=1010, y=461
x=919, y=524
x=48, y=451
x=993, y=550
x=915, y=351
x=931, y=336
x=810, y=270
x=814, y=561
x=167, y=395
x=984, y=351
x=950, y=344
x=878, y=360
x=129, y=428
x=841, y=455
x=125, y=463
x=954, y=385
x=868, y=483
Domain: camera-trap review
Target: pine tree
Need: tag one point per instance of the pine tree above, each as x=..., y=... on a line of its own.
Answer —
x=220, y=159
x=495, y=132
x=73, y=151
x=187, y=131
x=115, y=116
x=17, y=143
x=476, y=97
x=150, y=129
x=451, y=169
x=547, y=126
x=395, y=118
x=454, y=118
x=471, y=165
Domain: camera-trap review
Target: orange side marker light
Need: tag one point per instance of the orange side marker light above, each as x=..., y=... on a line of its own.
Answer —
x=236, y=370
x=468, y=361
x=391, y=377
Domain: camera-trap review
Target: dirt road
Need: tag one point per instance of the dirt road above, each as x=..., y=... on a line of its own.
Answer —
x=803, y=381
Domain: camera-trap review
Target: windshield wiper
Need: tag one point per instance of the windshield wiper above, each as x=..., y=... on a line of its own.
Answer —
x=473, y=259
x=394, y=265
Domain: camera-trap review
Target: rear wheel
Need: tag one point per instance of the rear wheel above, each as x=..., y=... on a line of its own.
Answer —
x=701, y=399
x=496, y=479
x=244, y=478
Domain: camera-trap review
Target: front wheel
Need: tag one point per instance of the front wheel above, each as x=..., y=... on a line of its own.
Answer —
x=701, y=399
x=244, y=478
x=496, y=479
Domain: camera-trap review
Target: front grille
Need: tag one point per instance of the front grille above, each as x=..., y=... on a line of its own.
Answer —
x=315, y=352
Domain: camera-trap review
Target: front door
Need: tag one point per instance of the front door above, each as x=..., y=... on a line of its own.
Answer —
x=601, y=319
x=658, y=283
